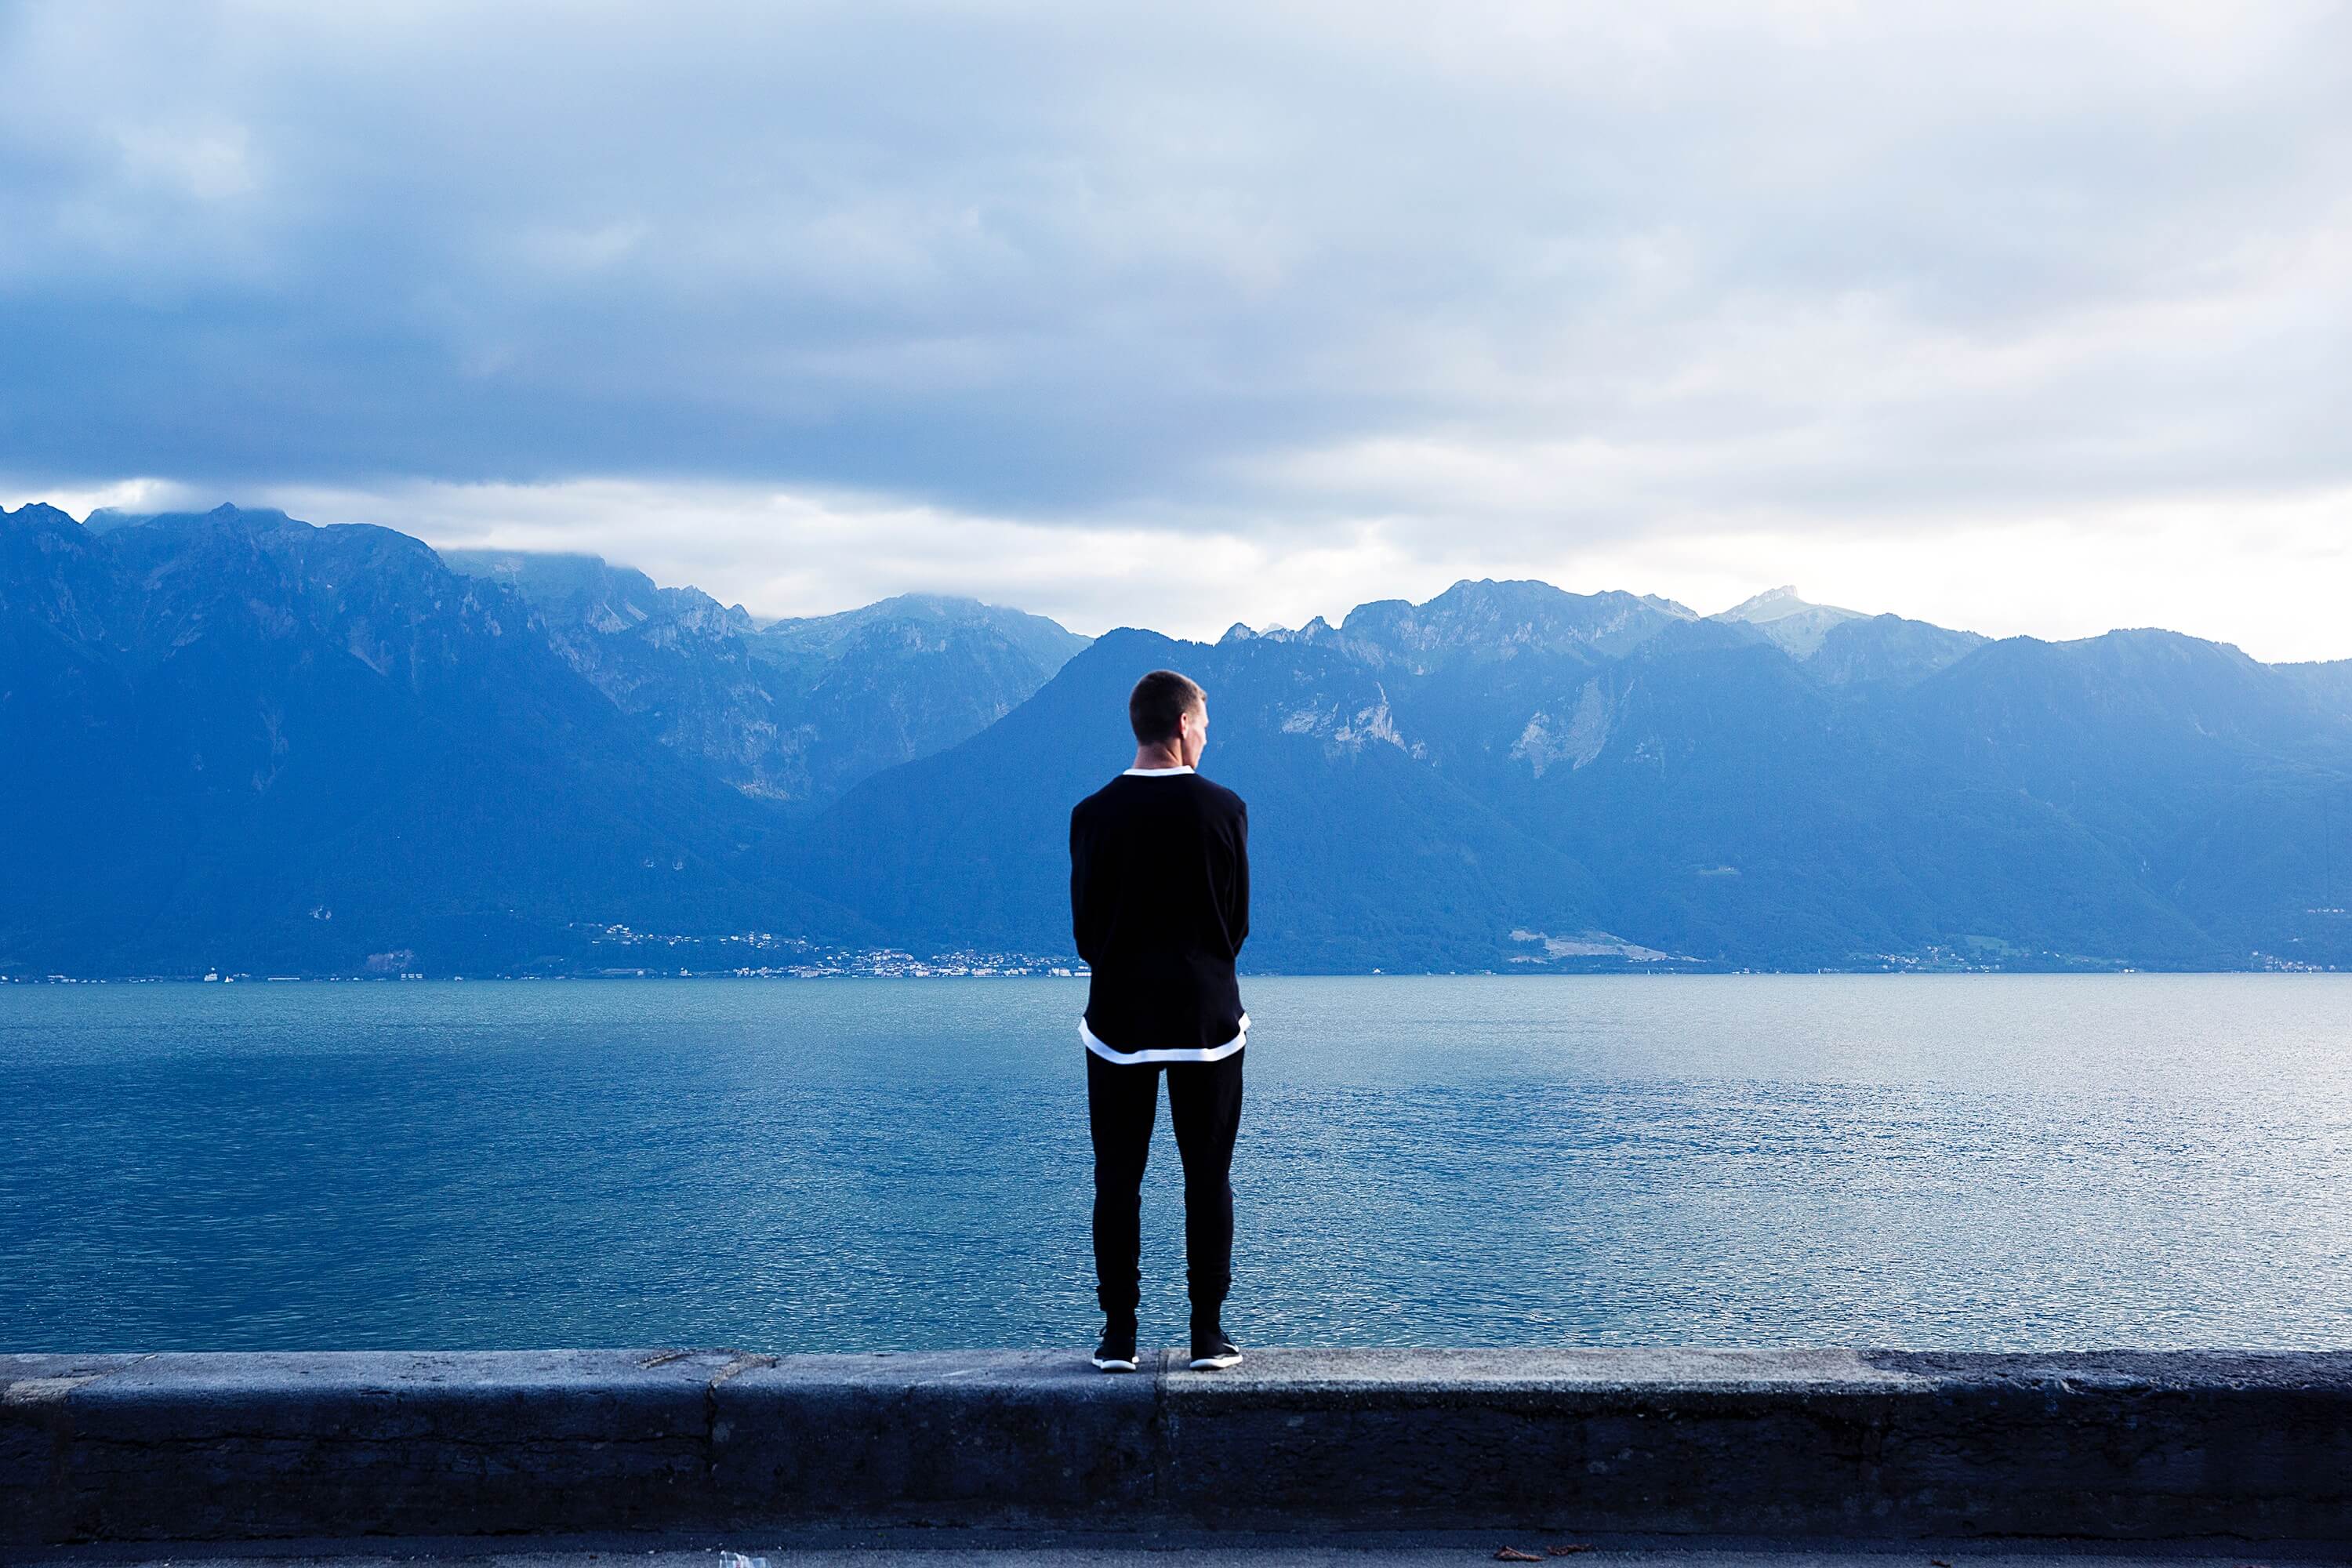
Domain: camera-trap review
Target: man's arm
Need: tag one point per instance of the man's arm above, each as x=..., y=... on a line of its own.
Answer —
x=1085, y=914
x=1237, y=893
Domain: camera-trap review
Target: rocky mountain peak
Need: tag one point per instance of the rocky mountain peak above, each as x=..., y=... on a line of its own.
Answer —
x=1778, y=603
x=35, y=513
x=1487, y=619
x=1795, y=625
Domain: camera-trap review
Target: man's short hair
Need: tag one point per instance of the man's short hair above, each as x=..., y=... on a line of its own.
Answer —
x=1157, y=706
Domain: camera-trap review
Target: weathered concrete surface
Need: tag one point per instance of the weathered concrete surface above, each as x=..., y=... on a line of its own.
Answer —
x=1100, y=1549
x=1004, y=1436
x=205, y=1446
x=1853, y=1444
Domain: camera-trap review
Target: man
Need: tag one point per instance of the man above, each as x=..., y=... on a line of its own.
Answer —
x=1160, y=900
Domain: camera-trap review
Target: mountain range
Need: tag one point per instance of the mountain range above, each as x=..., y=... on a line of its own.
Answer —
x=791, y=710
x=239, y=742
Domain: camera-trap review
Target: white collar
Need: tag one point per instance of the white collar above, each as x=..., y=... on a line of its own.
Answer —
x=1154, y=773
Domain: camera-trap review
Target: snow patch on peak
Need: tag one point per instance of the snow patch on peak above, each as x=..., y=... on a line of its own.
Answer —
x=1789, y=621
x=1772, y=605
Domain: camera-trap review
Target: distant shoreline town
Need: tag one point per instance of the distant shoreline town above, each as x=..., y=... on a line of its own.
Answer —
x=767, y=955
x=797, y=958
x=777, y=958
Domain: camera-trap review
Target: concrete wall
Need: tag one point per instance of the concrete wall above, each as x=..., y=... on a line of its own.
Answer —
x=1836, y=1443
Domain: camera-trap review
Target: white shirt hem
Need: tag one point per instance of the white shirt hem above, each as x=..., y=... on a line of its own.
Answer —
x=1155, y=773
x=1166, y=1053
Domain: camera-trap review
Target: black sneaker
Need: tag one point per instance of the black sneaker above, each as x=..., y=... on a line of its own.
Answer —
x=1116, y=1351
x=1213, y=1352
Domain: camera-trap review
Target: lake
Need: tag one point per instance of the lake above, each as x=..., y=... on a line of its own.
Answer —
x=1957, y=1162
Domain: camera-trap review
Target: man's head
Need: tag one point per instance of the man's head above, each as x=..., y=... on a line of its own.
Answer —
x=1170, y=714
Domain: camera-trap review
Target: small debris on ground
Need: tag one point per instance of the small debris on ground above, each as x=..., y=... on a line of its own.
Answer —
x=1513, y=1555
x=1937, y=1563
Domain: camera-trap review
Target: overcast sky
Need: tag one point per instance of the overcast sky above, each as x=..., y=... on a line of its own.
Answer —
x=2024, y=317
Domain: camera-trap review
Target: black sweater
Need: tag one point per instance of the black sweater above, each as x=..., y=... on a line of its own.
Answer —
x=1159, y=903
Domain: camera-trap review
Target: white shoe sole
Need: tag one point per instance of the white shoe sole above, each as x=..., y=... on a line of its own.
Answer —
x=1102, y=1364
x=1216, y=1362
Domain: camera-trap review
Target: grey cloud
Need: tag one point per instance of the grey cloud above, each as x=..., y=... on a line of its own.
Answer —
x=1082, y=263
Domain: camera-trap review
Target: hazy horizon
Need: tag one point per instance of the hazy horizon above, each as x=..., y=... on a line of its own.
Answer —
x=1333, y=617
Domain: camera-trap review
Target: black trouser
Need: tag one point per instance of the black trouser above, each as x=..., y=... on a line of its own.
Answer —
x=1204, y=1101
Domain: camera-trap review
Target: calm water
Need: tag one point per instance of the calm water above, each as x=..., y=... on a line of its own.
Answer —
x=1972, y=1160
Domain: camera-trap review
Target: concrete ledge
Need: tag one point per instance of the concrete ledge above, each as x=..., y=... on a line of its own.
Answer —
x=1835, y=1444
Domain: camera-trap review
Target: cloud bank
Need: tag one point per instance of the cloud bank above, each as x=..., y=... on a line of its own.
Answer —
x=2024, y=317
